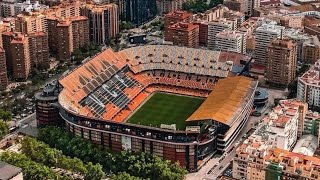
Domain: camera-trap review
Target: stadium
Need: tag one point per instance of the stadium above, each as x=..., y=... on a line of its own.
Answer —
x=181, y=104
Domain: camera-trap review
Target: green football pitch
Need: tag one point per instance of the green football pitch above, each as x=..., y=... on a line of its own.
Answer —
x=164, y=108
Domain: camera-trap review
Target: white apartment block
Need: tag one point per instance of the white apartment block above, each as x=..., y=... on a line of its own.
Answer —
x=309, y=86
x=264, y=35
x=217, y=26
x=9, y=8
x=234, y=41
x=283, y=124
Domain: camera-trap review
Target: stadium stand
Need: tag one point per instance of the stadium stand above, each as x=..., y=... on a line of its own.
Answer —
x=106, y=85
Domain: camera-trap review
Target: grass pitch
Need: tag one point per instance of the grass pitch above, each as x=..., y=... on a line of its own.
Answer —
x=163, y=108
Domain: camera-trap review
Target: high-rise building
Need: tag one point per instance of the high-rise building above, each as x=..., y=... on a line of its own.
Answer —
x=203, y=33
x=136, y=11
x=66, y=35
x=217, y=26
x=309, y=85
x=311, y=51
x=64, y=40
x=281, y=62
x=65, y=9
x=3, y=70
x=19, y=47
x=236, y=5
x=264, y=35
x=166, y=6
x=38, y=49
x=234, y=41
x=175, y=17
x=308, y=47
x=103, y=20
x=183, y=34
x=31, y=22
x=6, y=41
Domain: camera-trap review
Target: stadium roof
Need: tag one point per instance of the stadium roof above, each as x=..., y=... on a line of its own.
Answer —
x=224, y=101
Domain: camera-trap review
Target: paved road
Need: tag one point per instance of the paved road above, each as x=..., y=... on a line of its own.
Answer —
x=23, y=123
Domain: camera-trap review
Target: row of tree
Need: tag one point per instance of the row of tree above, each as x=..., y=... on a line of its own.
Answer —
x=31, y=170
x=139, y=165
x=42, y=153
x=88, y=50
x=3, y=129
x=199, y=6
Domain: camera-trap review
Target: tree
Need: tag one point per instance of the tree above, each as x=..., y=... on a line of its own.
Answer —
x=125, y=25
x=123, y=175
x=31, y=170
x=5, y=115
x=3, y=129
x=195, y=6
x=43, y=66
x=94, y=172
x=140, y=165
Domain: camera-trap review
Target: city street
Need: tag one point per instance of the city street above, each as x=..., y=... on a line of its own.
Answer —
x=26, y=125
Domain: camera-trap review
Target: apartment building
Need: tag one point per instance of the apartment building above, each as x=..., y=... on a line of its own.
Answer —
x=308, y=47
x=173, y=18
x=3, y=70
x=281, y=62
x=6, y=41
x=166, y=6
x=31, y=22
x=311, y=50
x=137, y=12
x=64, y=40
x=217, y=26
x=11, y=8
x=236, y=5
x=66, y=35
x=283, y=125
x=234, y=41
x=275, y=163
x=19, y=49
x=103, y=20
x=249, y=161
x=38, y=48
x=203, y=32
x=265, y=34
x=308, y=89
x=183, y=34
x=282, y=15
x=65, y=9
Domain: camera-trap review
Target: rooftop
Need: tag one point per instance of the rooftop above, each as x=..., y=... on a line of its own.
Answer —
x=179, y=14
x=230, y=34
x=270, y=27
x=182, y=26
x=312, y=76
x=228, y=96
x=8, y=171
x=306, y=145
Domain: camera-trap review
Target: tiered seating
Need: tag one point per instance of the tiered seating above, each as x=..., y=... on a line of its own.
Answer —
x=117, y=91
x=182, y=59
x=111, y=85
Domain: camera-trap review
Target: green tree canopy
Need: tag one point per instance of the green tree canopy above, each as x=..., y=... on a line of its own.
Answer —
x=3, y=129
x=5, y=115
x=140, y=165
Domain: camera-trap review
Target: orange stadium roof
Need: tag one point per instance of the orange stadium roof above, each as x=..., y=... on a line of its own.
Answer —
x=223, y=102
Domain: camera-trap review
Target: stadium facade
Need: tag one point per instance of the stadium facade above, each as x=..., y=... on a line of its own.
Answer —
x=98, y=97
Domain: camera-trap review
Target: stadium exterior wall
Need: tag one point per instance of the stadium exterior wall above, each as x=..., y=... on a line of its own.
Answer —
x=172, y=145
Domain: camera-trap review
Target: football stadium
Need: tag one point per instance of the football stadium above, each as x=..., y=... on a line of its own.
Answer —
x=181, y=104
